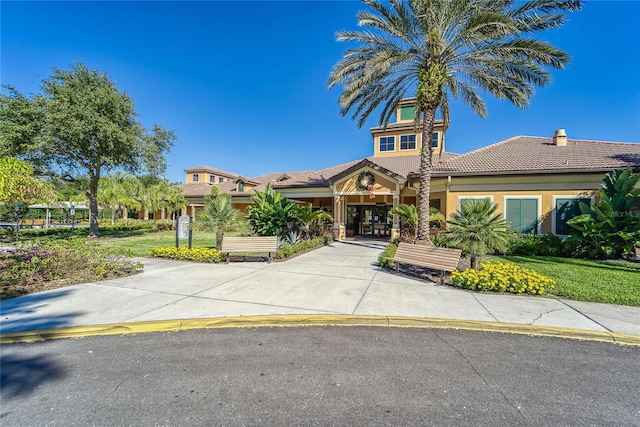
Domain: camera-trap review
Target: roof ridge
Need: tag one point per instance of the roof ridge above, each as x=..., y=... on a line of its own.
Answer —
x=579, y=140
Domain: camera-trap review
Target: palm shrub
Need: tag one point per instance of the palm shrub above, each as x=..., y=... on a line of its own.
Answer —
x=609, y=228
x=272, y=214
x=220, y=216
x=312, y=221
x=436, y=50
x=409, y=218
x=477, y=229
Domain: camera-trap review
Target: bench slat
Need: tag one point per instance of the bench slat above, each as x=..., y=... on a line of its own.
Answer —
x=443, y=259
x=262, y=244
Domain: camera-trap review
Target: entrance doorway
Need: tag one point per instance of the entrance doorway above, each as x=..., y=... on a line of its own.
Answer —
x=369, y=220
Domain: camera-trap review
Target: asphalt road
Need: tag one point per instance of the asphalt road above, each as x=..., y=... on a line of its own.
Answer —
x=334, y=376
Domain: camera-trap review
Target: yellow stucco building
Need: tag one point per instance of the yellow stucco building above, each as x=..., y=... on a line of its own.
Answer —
x=535, y=181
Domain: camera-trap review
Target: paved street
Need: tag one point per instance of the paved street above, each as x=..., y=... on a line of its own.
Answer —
x=334, y=376
x=341, y=278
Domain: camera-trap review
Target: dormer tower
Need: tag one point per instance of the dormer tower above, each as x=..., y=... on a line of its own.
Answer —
x=400, y=138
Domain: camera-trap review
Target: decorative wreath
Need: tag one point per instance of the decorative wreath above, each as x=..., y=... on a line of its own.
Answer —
x=365, y=179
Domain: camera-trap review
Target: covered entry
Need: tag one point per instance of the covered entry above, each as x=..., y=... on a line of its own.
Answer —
x=373, y=220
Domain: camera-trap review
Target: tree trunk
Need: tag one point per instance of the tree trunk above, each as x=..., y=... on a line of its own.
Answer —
x=219, y=238
x=474, y=262
x=93, y=206
x=424, y=190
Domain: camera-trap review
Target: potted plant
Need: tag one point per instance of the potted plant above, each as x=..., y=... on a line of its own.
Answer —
x=350, y=229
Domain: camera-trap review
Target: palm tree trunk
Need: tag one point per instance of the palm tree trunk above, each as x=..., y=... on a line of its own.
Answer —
x=424, y=190
x=219, y=238
x=474, y=262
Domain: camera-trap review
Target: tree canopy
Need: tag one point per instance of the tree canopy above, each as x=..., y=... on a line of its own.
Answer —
x=81, y=123
x=18, y=183
x=437, y=50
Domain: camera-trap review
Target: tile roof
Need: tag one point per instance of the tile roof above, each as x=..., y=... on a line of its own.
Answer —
x=405, y=165
x=196, y=189
x=517, y=155
x=205, y=168
x=526, y=154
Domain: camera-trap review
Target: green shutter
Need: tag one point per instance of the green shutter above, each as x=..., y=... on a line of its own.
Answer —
x=407, y=113
x=522, y=215
x=529, y=216
x=512, y=214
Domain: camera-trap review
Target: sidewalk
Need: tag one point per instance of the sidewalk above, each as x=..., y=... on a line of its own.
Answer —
x=340, y=279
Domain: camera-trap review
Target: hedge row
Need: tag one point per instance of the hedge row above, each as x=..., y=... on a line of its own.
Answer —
x=289, y=250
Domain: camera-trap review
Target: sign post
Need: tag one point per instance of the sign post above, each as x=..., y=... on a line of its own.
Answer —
x=17, y=219
x=73, y=217
x=183, y=231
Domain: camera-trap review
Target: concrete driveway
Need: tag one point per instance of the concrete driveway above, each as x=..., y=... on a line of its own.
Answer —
x=342, y=278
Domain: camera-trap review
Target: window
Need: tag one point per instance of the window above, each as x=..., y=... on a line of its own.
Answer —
x=521, y=214
x=434, y=140
x=220, y=179
x=435, y=203
x=195, y=177
x=212, y=179
x=408, y=142
x=566, y=208
x=387, y=143
x=240, y=187
x=408, y=112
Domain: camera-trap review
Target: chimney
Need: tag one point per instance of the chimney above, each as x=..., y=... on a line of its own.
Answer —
x=560, y=138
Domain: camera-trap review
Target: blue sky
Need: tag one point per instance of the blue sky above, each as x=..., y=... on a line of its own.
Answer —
x=243, y=84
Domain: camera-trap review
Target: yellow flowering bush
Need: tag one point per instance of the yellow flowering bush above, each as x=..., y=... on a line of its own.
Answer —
x=186, y=254
x=503, y=277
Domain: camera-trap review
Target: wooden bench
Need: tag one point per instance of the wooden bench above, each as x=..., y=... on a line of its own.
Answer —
x=31, y=222
x=39, y=222
x=442, y=259
x=263, y=244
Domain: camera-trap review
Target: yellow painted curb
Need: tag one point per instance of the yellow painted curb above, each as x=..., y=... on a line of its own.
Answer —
x=296, y=320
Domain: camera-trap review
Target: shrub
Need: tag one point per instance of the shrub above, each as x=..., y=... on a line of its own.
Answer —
x=532, y=245
x=609, y=228
x=389, y=252
x=186, y=254
x=503, y=277
x=526, y=245
x=24, y=271
x=287, y=250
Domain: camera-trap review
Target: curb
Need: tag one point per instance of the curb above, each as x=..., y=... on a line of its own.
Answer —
x=300, y=320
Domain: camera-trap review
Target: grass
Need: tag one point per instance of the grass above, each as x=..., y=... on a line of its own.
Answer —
x=614, y=282
x=140, y=242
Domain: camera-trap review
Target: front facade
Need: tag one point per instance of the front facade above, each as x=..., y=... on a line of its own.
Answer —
x=536, y=182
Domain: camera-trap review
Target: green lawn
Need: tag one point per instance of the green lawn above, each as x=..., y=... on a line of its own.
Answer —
x=140, y=242
x=615, y=282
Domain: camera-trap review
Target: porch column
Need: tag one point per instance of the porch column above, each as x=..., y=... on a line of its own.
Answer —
x=338, y=219
x=395, y=230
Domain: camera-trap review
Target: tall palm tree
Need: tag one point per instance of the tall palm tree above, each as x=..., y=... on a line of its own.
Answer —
x=118, y=191
x=175, y=200
x=220, y=215
x=442, y=49
x=477, y=228
x=152, y=198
